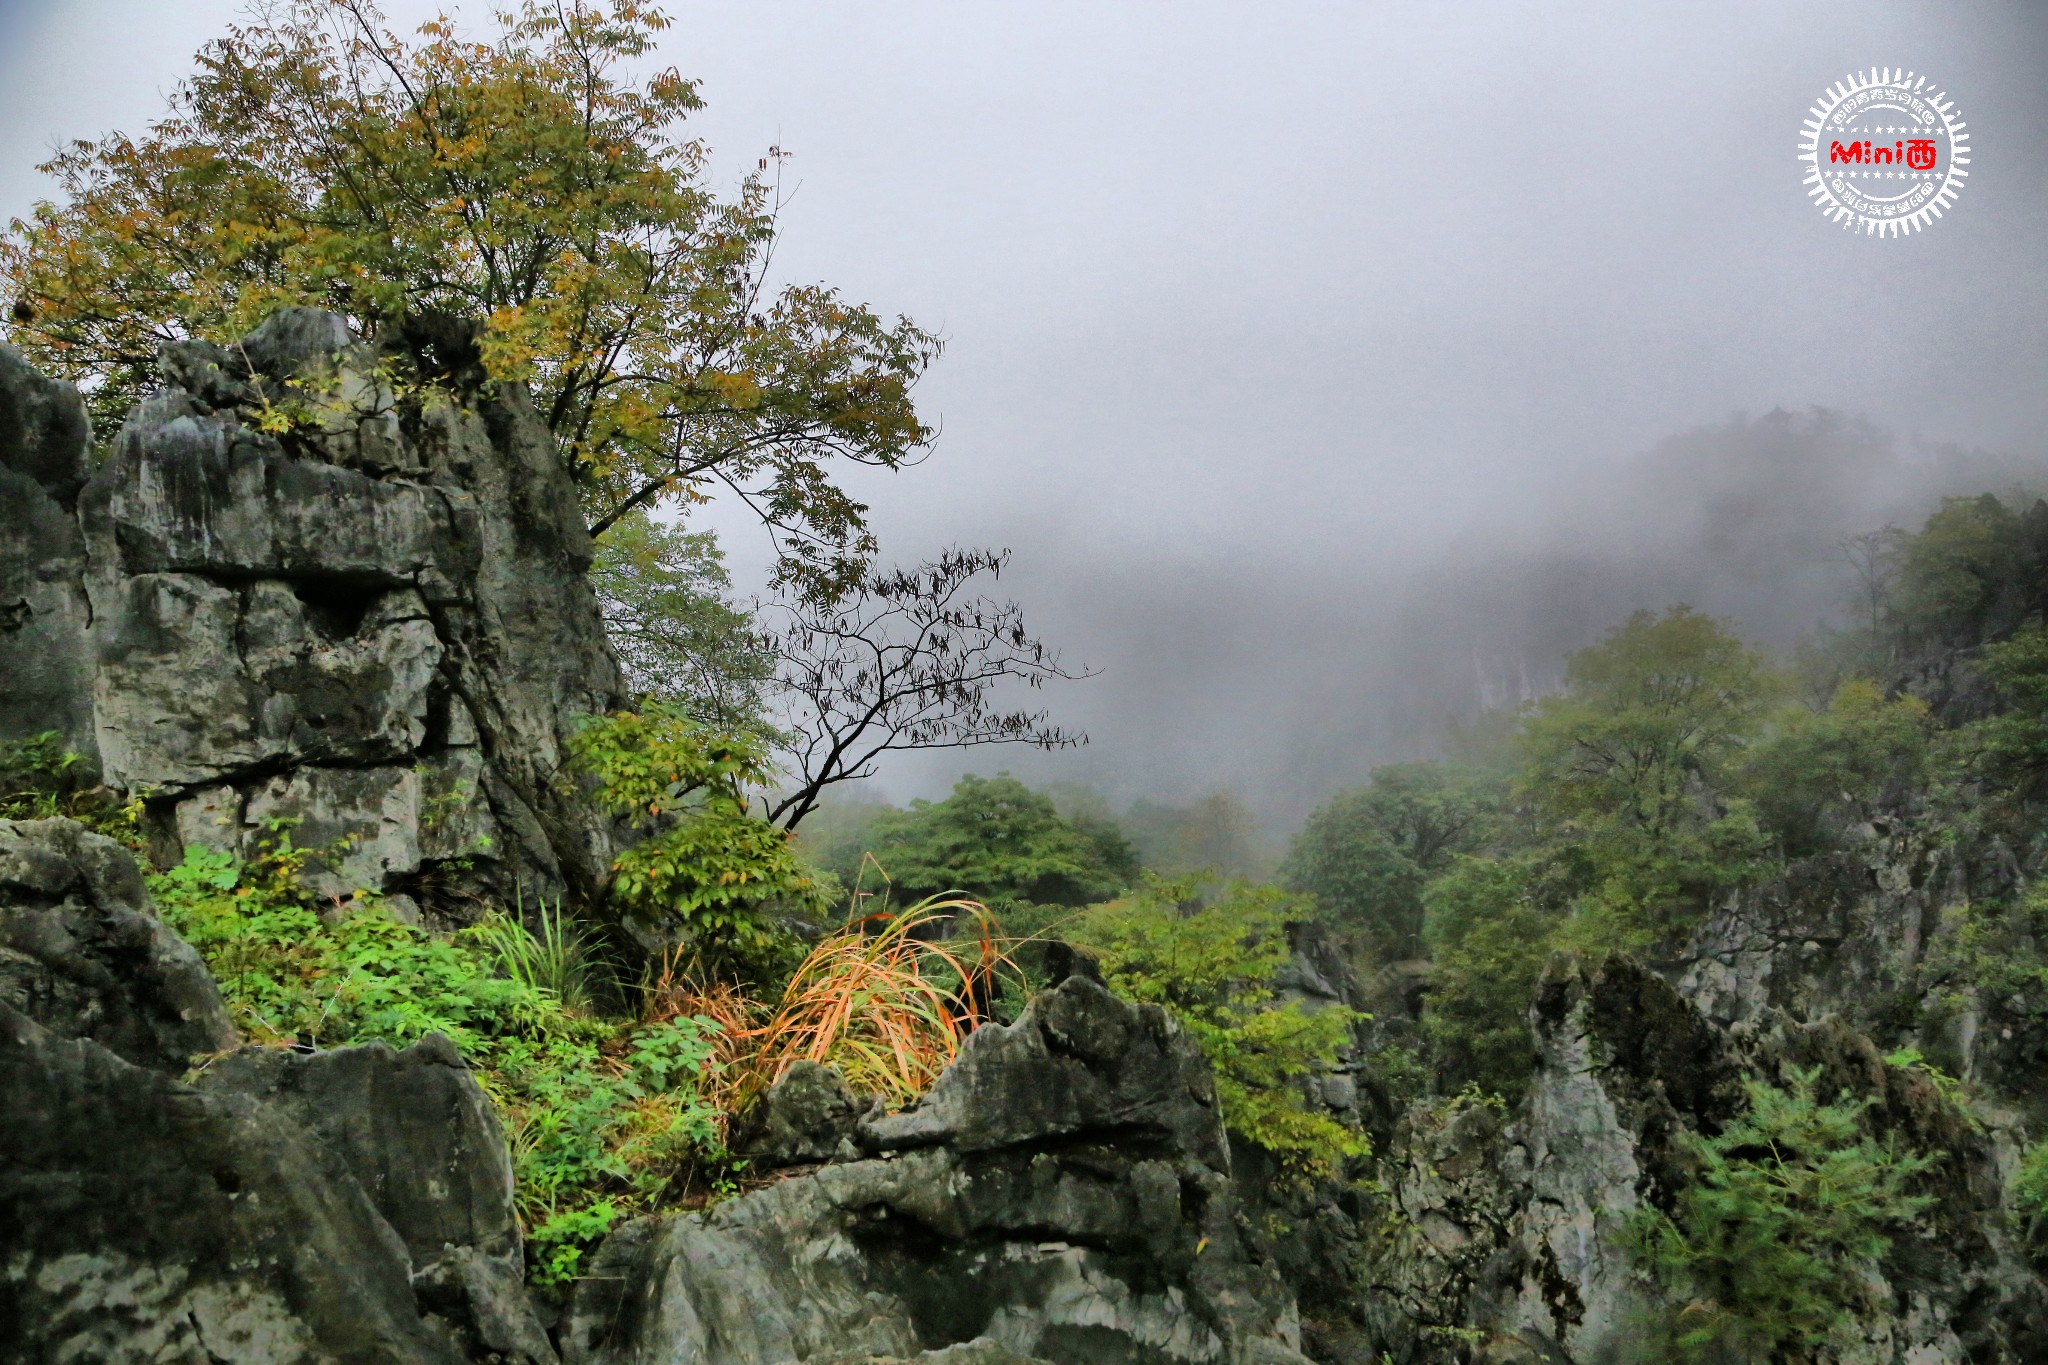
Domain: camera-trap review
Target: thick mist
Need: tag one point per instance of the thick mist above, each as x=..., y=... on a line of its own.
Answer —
x=1333, y=369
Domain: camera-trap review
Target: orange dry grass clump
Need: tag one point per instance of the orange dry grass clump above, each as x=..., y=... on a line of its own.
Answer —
x=886, y=1006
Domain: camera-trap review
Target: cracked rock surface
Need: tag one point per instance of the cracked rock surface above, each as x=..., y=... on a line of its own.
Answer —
x=1062, y=1194
x=304, y=593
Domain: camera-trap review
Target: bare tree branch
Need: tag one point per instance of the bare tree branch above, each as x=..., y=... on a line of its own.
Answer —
x=907, y=659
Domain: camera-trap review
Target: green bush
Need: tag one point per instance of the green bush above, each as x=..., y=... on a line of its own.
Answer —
x=602, y=1115
x=1211, y=966
x=1846, y=758
x=703, y=864
x=1775, y=1243
x=1489, y=935
x=41, y=779
x=2027, y=1201
x=993, y=839
x=2010, y=749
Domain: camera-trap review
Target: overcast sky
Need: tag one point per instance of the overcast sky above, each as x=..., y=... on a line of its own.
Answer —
x=1259, y=315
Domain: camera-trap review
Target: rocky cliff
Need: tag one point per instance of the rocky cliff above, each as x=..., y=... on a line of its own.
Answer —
x=317, y=586
x=331, y=590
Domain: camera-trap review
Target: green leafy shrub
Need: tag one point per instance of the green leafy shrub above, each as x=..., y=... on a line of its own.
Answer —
x=704, y=864
x=1211, y=965
x=998, y=841
x=602, y=1115
x=2027, y=1200
x=1775, y=1244
x=41, y=779
x=1845, y=757
x=2010, y=749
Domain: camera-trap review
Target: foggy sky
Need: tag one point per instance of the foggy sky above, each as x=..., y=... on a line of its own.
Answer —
x=1289, y=342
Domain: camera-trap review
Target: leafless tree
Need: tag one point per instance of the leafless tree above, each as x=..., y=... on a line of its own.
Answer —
x=907, y=659
x=1875, y=558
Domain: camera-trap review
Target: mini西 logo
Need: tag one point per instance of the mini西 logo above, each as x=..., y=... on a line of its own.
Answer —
x=1885, y=153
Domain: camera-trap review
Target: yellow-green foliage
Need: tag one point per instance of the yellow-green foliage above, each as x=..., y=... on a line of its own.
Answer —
x=540, y=183
x=1211, y=965
x=602, y=1114
x=704, y=864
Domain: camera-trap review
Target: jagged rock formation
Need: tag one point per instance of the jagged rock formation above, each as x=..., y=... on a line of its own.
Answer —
x=1503, y=1237
x=333, y=587
x=353, y=1205
x=44, y=437
x=1062, y=1193
x=81, y=953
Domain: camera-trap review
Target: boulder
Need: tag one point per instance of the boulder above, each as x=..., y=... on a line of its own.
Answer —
x=806, y=1117
x=423, y=1142
x=411, y=1126
x=83, y=954
x=349, y=1205
x=1061, y=1194
x=143, y=1219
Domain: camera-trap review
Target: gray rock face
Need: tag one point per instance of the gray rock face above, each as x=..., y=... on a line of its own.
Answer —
x=422, y=1141
x=1062, y=1192
x=1505, y=1238
x=315, y=605
x=83, y=954
x=411, y=1126
x=142, y=1219
x=806, y=1117
x=44, y=438
x=353, y=1205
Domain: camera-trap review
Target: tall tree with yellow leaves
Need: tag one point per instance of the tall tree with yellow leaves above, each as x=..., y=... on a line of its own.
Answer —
x=538, y=185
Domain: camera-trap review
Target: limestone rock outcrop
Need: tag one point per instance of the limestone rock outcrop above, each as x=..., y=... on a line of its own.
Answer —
x=309, y=591
x=82, y=954
x=1505, y=1234
x=44, y=655
x=1061, y=1194
x=353, y=1205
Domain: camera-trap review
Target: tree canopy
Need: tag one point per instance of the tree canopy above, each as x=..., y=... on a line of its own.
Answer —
x=1646, y=713
x=997, y=840
x=1364, y=856
x=537, y=184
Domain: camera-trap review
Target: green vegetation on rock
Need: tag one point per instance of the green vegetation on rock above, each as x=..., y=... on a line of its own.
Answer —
x=603, y=1114
x=1775, y=1243
x=1210, y=961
